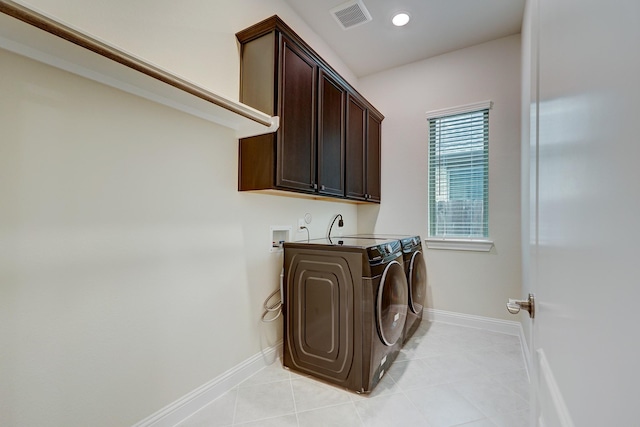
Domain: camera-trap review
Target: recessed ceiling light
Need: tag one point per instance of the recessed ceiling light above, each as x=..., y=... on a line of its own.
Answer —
x=400, y=19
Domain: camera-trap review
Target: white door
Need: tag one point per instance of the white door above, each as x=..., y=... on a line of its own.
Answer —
x=583, y=246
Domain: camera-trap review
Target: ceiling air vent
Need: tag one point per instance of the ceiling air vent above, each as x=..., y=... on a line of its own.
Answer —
x=351, y=14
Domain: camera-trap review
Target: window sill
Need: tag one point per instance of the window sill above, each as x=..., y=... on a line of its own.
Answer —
x=459, y=244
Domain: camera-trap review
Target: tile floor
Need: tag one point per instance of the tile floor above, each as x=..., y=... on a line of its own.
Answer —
x=445, y=376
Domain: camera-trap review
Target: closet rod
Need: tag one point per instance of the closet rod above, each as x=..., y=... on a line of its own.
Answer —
x=51, y=26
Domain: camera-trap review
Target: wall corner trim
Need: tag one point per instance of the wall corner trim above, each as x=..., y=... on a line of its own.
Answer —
x=192, y=402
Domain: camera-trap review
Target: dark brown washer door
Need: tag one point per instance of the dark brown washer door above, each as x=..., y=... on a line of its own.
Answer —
x=391, y=310
x=417, y=282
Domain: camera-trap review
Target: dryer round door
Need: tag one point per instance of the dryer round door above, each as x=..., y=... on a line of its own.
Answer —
x=391, y=309
x=417, y=282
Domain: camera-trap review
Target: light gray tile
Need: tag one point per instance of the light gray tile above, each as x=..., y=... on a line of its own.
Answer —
x=269, y=374
x=296, y=374
x=430, y=346
x=218, y=413
x=480, y=423
x=312, y=394
x=500, y=339
x=443, y=406
x=446, y=345
x=409, y=374
x=446, y=329
x=408, y=350
x=386, y=386
x=446, y=375
x=264, y=401
x=333, y=416
x=389, y=410
x=494, y=361
x=453, y=367
x=474, y=337
x=512, y=354
x=516, y=381
x=416, y=374
x=285, y=421
x=513, y=419
x=488, y=395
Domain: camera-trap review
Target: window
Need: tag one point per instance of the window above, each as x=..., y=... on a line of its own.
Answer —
x=459, y=173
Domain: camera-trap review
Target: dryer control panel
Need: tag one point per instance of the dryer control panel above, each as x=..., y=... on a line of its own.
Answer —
x=410, y=244
x=383, y=253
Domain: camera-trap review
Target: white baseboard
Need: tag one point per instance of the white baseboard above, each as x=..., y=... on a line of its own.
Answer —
x=555, y=408
x=508, y=327
x=197, y=399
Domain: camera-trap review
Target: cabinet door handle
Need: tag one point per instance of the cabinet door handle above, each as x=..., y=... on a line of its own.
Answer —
x=315, y=186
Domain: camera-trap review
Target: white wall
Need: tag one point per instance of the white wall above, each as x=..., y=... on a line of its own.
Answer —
x=132, y=271
x=472, y=283
x=193, y=39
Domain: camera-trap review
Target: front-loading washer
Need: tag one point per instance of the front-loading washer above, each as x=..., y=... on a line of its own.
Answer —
x=416, y=272
x=344, y=307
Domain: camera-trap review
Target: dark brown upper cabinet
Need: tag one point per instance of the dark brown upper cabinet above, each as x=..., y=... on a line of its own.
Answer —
x=296, y=148
x=314, y=151
x=363, y=152
x=331, y=133
x=356, y=146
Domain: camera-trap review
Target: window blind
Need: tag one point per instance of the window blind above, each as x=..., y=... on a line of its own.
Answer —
x=459, y=175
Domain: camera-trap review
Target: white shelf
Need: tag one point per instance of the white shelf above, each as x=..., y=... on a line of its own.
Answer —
x=42, y=38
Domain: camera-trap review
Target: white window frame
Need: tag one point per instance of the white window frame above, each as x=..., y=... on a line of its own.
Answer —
x=459, y=243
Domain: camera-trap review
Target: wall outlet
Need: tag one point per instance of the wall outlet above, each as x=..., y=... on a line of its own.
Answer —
x=301, y=223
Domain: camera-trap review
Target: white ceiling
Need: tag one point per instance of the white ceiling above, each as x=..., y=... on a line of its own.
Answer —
x=436, y=27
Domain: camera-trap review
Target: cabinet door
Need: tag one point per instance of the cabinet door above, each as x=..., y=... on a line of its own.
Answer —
x=331, y=104
x=355, y=147
x=374, y=129
x=297, y=111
